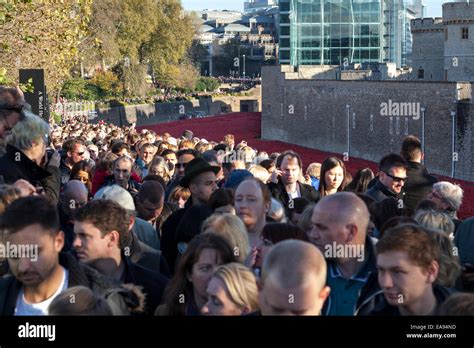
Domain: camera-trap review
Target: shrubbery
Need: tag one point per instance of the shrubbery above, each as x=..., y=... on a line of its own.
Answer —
x=103, y=85
x=208, y=84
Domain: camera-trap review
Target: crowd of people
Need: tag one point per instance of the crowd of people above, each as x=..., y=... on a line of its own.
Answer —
x=131, y=222
x=241, y=83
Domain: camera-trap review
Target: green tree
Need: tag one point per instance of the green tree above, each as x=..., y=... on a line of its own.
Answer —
x=168, y=46
x=209, y=84
x=42, y=35
x=197, y=53
x=107, y=83
x=140, y=37
x=101, y=46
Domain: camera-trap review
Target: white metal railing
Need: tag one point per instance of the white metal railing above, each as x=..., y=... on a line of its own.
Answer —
x=71, y=109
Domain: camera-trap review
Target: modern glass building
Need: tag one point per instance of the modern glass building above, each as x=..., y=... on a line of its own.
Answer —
x=335, y=32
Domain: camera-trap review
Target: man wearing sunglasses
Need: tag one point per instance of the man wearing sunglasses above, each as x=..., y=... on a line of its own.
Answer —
x=12, y=102
x=184, y=157
x=73, y=151
x=391, y=178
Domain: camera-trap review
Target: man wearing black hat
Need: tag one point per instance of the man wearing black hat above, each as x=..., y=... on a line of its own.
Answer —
x=200, y=178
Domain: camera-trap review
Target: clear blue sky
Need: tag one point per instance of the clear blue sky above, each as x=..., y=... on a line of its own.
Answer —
x=433, y=10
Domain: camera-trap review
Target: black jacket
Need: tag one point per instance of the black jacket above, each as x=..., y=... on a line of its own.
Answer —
x=153, y=284
x=171, y=185
x=67, y=226
x=168, y=209
x=379, y=192
x=145, y=256
x=372, y=300
x=418, y=185
x=371, y=296
x=79, y=274
x=65, y=172
x=14, y=165
x=169, y=243
x=278, y=191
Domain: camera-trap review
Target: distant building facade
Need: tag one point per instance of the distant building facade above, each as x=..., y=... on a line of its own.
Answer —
x=252, y=6
x=334, y=32
x=256, y=32
x=443, y=48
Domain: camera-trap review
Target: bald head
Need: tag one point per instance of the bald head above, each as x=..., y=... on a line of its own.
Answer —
x=74, y=195
x=346, y=208
x=293, y=280
x=292, y=263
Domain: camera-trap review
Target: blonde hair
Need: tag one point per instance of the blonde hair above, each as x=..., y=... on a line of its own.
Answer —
x=32, y=129
x=179, y=192
x=186, y=144
x=161, y=163
x=247, y=154
x=435, y=220
x=202, y=147
x=259, y=173
x=233, y=230
x=240, y=283
x=314, y=169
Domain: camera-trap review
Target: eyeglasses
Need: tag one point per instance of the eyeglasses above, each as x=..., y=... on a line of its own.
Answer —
x=181, y=165
x=16, y=108
x=396, y=178
x=80, y=153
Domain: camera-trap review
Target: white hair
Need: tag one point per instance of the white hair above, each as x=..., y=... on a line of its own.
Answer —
x=32, y=129
x=451, y=194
